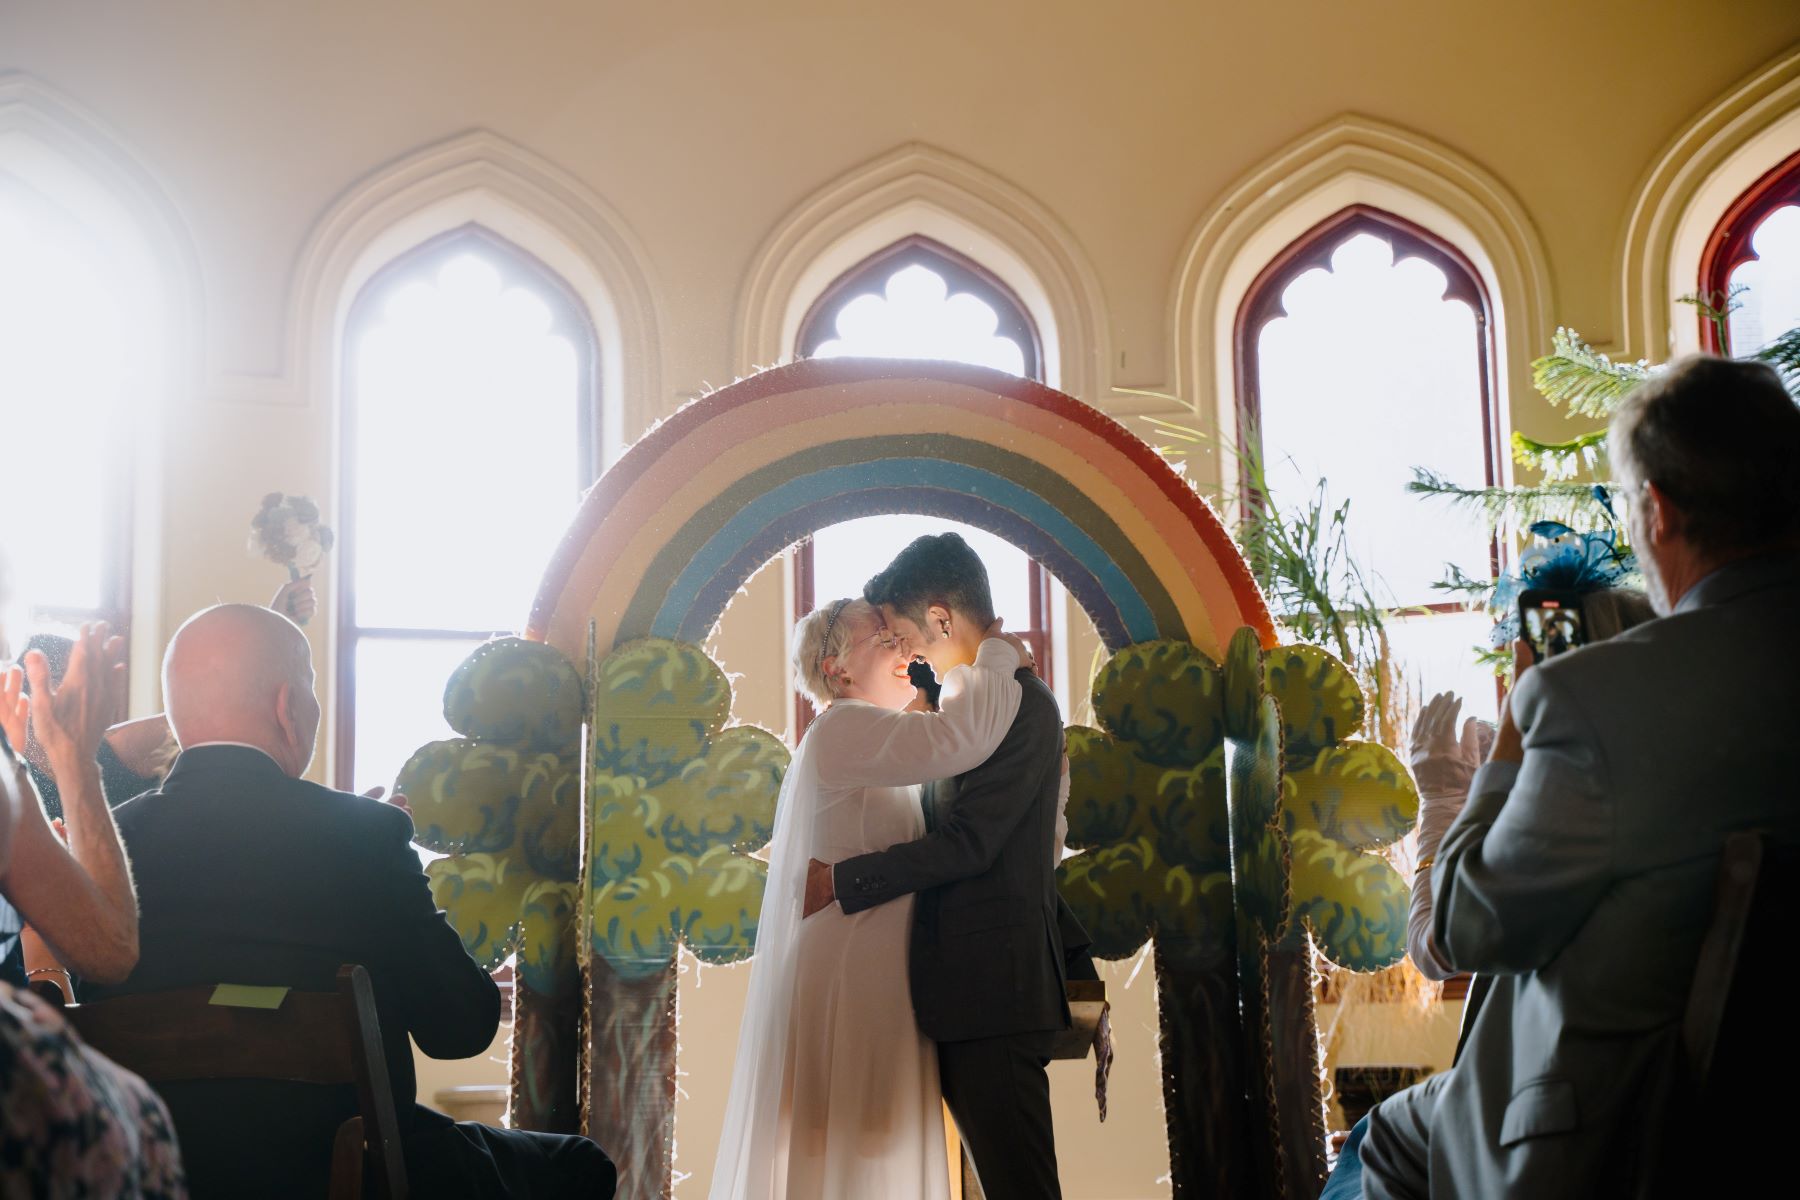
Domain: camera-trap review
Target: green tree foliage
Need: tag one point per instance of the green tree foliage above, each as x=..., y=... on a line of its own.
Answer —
x=503, y=803
x=678, y=801
x=1342, y=801
x=1148, y=805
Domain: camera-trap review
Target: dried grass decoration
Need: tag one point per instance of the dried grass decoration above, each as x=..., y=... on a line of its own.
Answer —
x=287, y=531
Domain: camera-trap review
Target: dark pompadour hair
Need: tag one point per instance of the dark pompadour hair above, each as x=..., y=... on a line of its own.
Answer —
x=1721, y=439
x=941, y=569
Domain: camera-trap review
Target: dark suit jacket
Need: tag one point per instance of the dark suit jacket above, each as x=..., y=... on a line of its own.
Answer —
x=247, y=876
x=986, y=956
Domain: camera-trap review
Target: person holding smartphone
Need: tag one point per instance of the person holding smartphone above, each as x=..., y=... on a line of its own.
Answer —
x=1581, y=874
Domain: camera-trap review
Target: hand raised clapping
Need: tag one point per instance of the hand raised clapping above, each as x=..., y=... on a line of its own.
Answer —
x=67, y=718
x=1444, y=758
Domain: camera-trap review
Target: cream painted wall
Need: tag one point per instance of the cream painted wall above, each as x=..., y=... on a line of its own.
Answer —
x=701, y=125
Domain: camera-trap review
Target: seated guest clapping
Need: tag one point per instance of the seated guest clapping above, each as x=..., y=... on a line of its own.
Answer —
x=71, y=1121
x=248, y=874
x=74, y=889
x=1581, y=874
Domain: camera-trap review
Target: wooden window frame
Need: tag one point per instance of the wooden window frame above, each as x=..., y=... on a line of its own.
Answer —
x=960, y=274
x=1728, y=246
x=1314, y=248
x=517, y=266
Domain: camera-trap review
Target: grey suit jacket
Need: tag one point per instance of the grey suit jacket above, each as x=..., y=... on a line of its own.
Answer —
x=1582, y=880
x=986, y=954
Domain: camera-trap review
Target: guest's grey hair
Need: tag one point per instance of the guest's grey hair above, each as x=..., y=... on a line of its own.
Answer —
x=1720, y=438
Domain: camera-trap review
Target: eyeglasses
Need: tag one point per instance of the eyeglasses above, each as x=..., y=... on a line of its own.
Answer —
x=884, y=637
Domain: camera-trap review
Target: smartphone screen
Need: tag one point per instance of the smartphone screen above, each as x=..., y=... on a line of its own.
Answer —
x=1552, y=622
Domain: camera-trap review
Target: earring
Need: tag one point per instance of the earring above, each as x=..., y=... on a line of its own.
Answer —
x=944, y=628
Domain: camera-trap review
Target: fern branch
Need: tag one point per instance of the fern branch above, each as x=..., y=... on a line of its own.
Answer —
x=1515, y=508
x=1561, y=460
x=1784, y=355
x=1460, y=583
x=1582, y=379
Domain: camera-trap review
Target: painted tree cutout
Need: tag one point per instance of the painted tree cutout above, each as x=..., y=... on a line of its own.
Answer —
x=676, y=801
x=503, y=802
x=1224, y=813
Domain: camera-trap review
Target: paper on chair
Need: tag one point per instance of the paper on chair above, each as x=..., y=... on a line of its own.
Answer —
x=242, y=995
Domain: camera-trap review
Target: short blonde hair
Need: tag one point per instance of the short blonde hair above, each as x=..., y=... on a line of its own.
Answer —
x=821, y=634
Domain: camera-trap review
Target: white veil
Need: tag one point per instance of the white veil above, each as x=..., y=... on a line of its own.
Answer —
x=751, y=1143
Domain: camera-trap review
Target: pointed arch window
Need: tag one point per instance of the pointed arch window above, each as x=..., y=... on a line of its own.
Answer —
x=1756, y=246
x=919, y=299
x=72, y=356
x=1363, y=350
x=469, y=429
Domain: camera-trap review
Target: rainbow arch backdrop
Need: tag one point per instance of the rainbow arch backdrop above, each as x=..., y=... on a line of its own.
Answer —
x=666, y=537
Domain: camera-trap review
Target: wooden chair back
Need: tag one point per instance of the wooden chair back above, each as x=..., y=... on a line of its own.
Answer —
x=1722, y=1124
x=312, y=1037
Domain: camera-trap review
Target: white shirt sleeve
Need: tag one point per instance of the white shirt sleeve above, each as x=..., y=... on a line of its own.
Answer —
x=872, y=746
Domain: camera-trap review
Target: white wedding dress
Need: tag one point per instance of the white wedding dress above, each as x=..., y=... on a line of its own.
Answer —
x=835, y=1092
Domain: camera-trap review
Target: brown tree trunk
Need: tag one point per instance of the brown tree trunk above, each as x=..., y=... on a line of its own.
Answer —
x=1203, y=1072
x=1264, y=1117
x=1299, y=1093
x=546, y=1059
x=629, y=1098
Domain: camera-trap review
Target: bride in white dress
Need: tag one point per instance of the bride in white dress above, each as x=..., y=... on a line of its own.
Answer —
x=835, y=1092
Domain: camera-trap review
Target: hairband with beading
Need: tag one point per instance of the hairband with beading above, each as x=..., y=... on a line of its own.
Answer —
x=825, y=642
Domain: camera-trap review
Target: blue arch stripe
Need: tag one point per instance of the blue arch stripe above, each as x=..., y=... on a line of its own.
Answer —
x=902, y=472
x=797, y=523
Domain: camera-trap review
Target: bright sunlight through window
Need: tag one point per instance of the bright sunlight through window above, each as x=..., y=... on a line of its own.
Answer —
x=916, y=317
x=1771, y=305
x=1371, y=373
x=466, y=459
x=64, y=345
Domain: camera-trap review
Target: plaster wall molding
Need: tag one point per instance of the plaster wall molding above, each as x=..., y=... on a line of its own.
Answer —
x=919, y=189
x=1354, y=160
x=1715, y=157
x=481, y=178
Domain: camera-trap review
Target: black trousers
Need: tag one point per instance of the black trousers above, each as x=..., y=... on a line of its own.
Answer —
x=446, y=1158
x=999, y=1093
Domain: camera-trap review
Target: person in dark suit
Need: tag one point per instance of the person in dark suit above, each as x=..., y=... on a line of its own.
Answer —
x=986, y=957
x=1581, y=875
x=248, y=874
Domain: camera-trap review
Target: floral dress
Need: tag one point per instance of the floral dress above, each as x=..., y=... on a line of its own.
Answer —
x=74, y=1124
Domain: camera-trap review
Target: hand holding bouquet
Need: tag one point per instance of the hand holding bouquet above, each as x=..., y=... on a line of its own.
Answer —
x=286, y=530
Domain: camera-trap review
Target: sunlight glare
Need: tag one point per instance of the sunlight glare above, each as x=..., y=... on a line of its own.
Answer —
x=1373, y=372
x=916, y=317
x=465, y=451
x=63, y=374
x=1771, y=306
x=848, y=555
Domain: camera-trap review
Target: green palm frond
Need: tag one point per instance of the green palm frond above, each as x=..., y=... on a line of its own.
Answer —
x=1784, y=355
x=1716, y=308
x=1586, y=382
x=1560, y=461
x=1460, y=583
x=1518, y=507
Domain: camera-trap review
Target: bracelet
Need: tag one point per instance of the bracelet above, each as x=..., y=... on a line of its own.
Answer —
x=36, y=971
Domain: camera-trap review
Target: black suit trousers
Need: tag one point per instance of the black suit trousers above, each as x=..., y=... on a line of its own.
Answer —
x=999, y=1092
